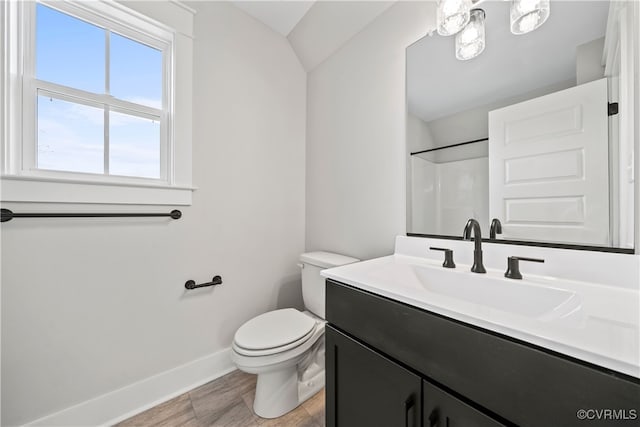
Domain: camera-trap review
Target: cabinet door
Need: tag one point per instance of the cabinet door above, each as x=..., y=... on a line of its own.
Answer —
x=443, y=410
x=367, y=389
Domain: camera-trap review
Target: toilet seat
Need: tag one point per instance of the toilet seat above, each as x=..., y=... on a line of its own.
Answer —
x=274, y=332
x=272, y=350
x=256, y=364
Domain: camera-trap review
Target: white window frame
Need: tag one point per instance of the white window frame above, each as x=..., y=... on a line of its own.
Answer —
x=21, y=180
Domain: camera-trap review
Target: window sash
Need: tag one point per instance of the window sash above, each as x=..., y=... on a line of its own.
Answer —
x=108, y=105
x=157, y=38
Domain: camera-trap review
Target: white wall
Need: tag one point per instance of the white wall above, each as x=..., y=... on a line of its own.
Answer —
x=589, y=65
x=463, y=193
x=89, y=306
x=473, y=124
x=424, y=196
x=356, y=119
x=327, y=25
x=418, y=134
x=445, y=195
x=418, y=138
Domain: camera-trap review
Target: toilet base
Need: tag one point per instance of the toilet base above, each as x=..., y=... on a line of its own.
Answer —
x=306, y=389
x=279, y=392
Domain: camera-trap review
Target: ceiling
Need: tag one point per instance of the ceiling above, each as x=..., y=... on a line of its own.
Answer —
x=438, y=84
x=315, y=29
x=280, y=16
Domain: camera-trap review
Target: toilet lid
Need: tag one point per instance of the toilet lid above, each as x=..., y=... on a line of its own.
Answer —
x=274, y=329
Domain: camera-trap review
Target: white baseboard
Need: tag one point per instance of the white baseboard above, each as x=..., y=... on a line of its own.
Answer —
x=118, y=405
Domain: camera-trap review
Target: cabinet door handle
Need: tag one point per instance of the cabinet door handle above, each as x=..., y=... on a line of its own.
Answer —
x=408, y=405
x=433, y=418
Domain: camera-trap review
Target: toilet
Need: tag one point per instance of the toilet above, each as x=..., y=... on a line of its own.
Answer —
x=285, y=348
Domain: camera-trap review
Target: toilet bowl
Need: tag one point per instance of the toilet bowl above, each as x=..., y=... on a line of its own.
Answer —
x=280, y=388
x=285, y=347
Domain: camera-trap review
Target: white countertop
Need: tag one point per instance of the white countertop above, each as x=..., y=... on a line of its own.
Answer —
x=602, y=328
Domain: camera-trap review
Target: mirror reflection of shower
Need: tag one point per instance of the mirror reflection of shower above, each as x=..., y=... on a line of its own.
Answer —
x=522, y=133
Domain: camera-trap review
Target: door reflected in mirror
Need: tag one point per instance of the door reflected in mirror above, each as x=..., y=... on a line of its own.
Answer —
x=536, y=132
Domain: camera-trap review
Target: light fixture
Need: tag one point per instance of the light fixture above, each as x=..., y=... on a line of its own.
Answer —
x=527, y=15
x=457, y=17
x=470, y=40
x=452, y=16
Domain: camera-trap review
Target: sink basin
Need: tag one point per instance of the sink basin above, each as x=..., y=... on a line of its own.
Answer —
x=514, y=296
x=429, y=283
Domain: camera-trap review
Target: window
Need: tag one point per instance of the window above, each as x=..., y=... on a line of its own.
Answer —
x=99, y=99
x=93, y=99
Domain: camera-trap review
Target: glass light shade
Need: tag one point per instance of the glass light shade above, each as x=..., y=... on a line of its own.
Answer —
x=470, y=41
x=452, y=16
x=527, y=15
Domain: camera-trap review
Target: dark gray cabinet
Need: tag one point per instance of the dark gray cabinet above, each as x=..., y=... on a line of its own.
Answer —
x=472, y=377
x=441, y=409
x=367, y=389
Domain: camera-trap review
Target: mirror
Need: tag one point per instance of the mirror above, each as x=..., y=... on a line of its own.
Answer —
x=527, y=132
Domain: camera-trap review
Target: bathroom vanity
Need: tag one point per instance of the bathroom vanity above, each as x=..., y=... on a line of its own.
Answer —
x=411, y=341
x=390, y=364
x=401, y=353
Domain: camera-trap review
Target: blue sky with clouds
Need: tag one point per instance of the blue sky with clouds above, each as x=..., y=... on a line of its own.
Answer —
x=71, y=52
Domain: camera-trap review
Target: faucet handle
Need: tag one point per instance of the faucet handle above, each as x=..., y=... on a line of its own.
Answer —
x=513, y=266
x=448, y=257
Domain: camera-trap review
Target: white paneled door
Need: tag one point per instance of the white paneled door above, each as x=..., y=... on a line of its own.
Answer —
x=548, y=167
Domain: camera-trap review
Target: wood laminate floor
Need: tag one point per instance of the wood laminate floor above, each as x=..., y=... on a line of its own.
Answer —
x=226, y=402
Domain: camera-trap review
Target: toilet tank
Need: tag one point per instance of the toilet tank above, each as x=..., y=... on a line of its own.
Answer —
x=313, y=286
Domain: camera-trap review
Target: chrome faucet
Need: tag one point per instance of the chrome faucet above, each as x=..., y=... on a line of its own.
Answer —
x=472, y=225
